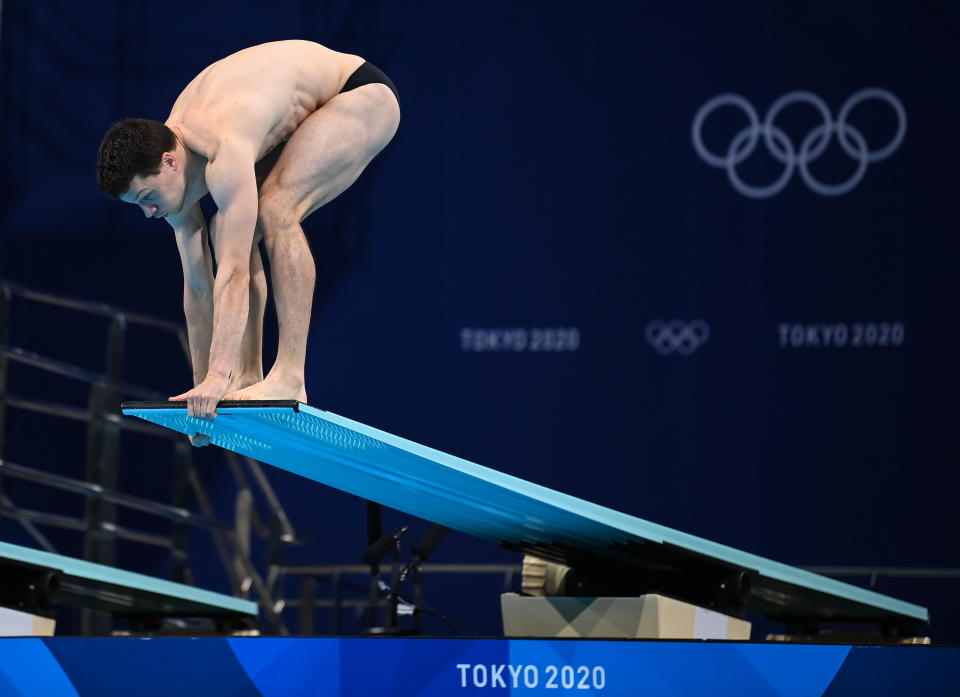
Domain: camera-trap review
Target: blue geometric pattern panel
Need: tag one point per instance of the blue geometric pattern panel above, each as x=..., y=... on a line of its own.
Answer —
x=271, y=667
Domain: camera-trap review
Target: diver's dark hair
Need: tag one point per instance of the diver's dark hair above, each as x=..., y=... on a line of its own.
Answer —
x=132, y=147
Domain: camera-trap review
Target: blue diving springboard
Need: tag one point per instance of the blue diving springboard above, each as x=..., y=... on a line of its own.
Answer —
x=87, y=585
x=509, y=511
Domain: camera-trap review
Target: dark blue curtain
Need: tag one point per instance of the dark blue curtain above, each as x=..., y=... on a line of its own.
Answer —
x=694, y=262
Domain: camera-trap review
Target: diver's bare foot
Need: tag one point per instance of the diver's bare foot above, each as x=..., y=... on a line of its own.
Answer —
x=241, y=381
x=270, y=389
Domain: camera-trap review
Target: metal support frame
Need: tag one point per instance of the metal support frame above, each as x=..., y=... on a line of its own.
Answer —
x=181, y=499
x=5, y=296
x=105, y=425
x=374, y=533
x=335, y=575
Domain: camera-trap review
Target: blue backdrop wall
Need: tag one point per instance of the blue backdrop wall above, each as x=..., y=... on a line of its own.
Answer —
x=690, y=261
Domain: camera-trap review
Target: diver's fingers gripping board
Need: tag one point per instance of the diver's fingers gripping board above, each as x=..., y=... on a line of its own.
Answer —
x=480, y=501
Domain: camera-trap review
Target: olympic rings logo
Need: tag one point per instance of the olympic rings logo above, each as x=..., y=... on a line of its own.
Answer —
x=783, y=149
x=677, y=336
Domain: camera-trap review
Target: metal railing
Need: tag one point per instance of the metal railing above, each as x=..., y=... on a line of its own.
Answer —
x=336, y=588
x=99, y=489
x=345, y=593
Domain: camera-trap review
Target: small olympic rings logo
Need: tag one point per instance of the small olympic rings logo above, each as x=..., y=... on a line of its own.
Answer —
x=677, y=336
x=811, y=147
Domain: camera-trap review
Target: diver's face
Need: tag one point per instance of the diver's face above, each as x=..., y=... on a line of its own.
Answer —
x=161, y=194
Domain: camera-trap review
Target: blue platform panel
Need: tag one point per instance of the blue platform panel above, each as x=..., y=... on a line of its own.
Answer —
x=288, y=667
x=132, y=592
x=492, y=505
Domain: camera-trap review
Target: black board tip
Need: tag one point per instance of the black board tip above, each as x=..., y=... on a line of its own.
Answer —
x=227, y=403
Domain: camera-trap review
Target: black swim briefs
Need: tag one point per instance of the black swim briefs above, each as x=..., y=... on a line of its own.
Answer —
x=363, y=75
x=366, y=74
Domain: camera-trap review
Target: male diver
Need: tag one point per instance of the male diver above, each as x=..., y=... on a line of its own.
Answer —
x=272, y=133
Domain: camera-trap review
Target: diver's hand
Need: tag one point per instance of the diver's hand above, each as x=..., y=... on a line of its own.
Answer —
x=198, y=440
x=202, y=399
